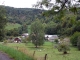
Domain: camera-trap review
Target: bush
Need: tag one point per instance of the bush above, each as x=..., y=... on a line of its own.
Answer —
x=63, y=47
x=56, y=40
x=78, y=43
x=74, y=38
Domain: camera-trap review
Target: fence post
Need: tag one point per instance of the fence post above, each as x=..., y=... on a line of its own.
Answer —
x=45, y=58
x=33, y=53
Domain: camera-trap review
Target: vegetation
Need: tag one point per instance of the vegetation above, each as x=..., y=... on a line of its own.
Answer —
x=16, y=29
x=49, y=49
x=59, y=20
x=78, y=43
x=37, y=33
x=15, y=54
x=63, y=46
x=22, y=15
x=66, y=21
x=62, y=23
x=11, y=26
x=74, y=38
x=57, y=6
x=3, y=21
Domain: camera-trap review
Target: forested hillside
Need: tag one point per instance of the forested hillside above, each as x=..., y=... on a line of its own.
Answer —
x=21, y=15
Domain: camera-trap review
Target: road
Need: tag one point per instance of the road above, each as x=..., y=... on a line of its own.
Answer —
x=4, y=56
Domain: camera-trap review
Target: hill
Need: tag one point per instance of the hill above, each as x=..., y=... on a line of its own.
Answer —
x=21, y=15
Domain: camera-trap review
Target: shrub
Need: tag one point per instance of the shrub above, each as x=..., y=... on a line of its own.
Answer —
x=74, y=38
x=63, y=47
x=56, y=40
x=78, y=43
x=5, y=42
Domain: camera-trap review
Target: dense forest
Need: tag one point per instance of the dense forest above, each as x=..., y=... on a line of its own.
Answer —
x=21, y=15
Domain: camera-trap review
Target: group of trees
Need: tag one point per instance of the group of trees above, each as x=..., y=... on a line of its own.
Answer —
x=17, y=31
x=22, y=15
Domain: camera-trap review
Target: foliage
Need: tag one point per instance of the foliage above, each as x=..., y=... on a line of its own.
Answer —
x=3, y=21
x=22, y=15
x=37, y=33
x=74, y=38
x=56, y=6
x=51, y=28
x=16, y=31
x=56, y=41
x=61, y=10
x=78, y=43
x=15, y=54
x=63, y=47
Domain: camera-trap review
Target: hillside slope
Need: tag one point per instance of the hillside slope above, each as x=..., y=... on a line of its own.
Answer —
x=21, y=15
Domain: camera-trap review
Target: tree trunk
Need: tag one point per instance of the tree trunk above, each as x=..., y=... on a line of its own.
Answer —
x=36, y=46
x=65, y=52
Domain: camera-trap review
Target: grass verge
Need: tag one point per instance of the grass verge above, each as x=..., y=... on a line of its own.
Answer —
x=15, y=54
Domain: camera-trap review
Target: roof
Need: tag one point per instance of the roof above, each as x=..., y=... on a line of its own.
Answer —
x=25, y=34
x=51, y=37
x=17, y=38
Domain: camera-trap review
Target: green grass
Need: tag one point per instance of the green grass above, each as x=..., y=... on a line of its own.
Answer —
x=12, y=26
x=48, y=48
x=29, y=26
x=53, y=53
x=15, y=54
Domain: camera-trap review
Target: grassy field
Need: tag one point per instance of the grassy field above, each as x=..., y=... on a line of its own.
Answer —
x=15, y=54
x=12, y=26
x=47, y=48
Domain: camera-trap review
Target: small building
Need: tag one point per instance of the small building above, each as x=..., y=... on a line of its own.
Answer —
x=25, y=35
x=17, y=39
x=51, y=37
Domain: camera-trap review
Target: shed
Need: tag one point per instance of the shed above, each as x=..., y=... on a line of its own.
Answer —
x=17, y=39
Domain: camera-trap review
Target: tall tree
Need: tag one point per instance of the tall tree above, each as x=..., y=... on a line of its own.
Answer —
x=3, y=21
x=37, y=33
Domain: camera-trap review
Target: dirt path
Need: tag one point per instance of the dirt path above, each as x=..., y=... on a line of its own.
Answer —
x=4, y=56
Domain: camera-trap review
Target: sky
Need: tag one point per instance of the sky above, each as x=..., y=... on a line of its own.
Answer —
x=18, y=3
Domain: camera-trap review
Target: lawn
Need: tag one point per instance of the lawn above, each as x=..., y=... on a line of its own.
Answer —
x=12, y=26
x=49, y=49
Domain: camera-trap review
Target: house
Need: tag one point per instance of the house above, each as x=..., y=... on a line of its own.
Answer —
x=25, y=35
x=51, y=37
x=17, y=39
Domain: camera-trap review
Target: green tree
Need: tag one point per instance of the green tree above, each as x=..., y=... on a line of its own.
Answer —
x=74, y=38
x=58, y=5
x=78, y=43
x=51, y=28
x=3, y=21
x=37, y=33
